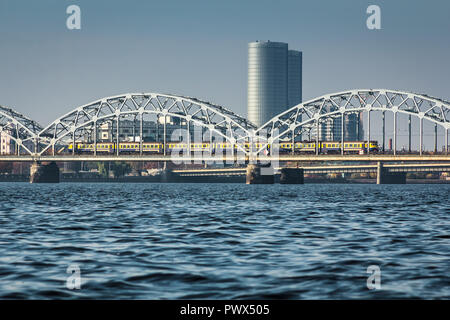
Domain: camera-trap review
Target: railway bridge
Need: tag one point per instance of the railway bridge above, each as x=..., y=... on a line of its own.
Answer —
x=150, y=126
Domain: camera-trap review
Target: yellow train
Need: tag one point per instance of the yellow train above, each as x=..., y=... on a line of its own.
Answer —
x=325, y=147
x=330, y=147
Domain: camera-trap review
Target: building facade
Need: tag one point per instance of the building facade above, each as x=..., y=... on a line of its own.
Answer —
x=152, y=131
x=294, y=77
x=330, y=128
x=271, y=67
x=6, y=143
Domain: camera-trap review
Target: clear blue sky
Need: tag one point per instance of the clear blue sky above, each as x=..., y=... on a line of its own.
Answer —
x=199, y=48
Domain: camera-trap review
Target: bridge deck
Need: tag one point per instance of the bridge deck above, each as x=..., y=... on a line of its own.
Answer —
x=228, y=159
x=417, y=167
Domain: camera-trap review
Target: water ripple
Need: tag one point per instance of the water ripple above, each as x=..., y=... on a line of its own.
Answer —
x=224, y=241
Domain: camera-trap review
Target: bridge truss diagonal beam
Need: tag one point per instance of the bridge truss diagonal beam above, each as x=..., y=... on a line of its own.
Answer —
x=307, y=116
x=19, y=128
x=85, y=119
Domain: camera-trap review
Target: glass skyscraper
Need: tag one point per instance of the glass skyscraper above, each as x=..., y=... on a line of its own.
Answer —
x=274, y=80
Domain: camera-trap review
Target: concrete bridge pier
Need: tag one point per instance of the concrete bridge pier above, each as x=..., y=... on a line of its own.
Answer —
x=385, y=177
x=258, y=174
x=291, y=176
x=44, y=173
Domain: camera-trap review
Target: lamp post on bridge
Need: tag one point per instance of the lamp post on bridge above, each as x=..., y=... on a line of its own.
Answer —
x=368, y=131
x=395, y=132
x=342, y=132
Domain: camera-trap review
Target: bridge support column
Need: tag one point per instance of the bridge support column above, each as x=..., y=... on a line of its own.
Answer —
x=385, y=177
x=40, y=173
x=257, y=174
x=168, y=176
x=291, y=176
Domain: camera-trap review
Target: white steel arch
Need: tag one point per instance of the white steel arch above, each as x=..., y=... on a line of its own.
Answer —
x=74, y=124
x=304, y=116
x=22, y=130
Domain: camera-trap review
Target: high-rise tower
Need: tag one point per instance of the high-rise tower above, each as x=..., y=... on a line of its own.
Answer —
x=294, y=78
x=274, y=80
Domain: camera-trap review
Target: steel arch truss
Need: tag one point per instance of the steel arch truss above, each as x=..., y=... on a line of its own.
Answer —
x=84, y=120
x=303, y=117
x=22, y=130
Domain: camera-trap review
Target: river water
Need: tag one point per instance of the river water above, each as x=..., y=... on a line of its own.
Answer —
x=224, y=241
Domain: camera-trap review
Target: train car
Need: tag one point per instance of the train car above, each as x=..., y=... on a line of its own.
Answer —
x=124, y=147
x=194, y=147
x=152, y=147
x=328, y=147
x=102, y=147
